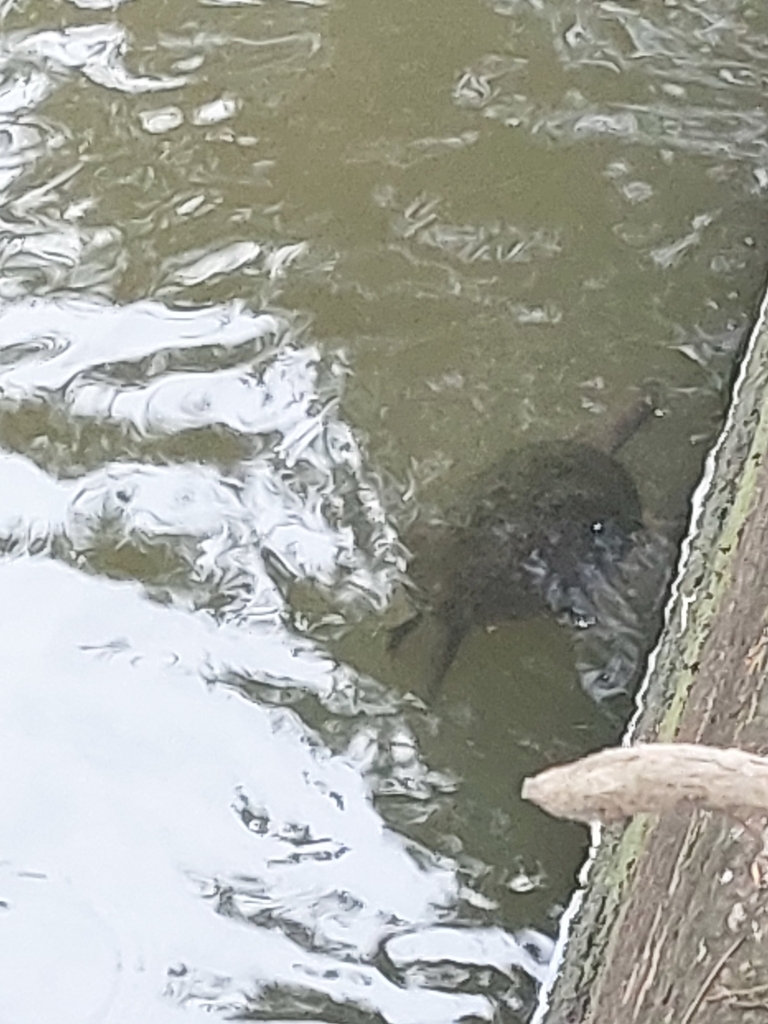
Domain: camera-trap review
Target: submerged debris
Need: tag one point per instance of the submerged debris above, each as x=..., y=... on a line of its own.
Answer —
x=651, y=777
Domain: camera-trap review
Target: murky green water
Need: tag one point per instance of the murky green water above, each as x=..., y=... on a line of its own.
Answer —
x=470, y=226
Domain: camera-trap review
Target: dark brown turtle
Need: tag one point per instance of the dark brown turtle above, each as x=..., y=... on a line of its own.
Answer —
x=537, y=526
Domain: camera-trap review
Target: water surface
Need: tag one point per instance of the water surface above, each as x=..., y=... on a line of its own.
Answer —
x=278, y=278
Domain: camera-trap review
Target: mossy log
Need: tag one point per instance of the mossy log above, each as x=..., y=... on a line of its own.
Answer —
x=673, y=926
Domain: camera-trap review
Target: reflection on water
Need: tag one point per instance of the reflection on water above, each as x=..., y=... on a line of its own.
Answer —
x=277, y=280
x=192, y=826
x=104, y=392
x=210, y=851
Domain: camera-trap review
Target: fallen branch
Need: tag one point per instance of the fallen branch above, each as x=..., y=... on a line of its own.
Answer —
x=652, y=777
